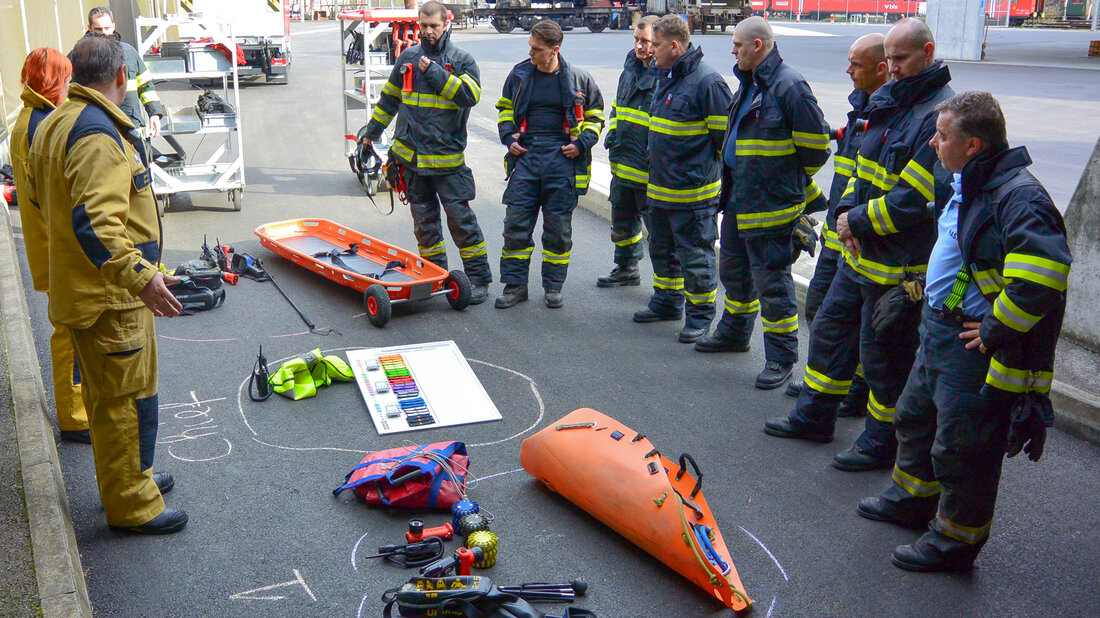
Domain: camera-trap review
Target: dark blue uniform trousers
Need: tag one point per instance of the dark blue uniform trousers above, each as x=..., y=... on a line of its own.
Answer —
x=756, y=272
x=543, y=180
x=628, y=209
x=451, y=192
x=951, y=440
x=681, y=247
x=824, y=272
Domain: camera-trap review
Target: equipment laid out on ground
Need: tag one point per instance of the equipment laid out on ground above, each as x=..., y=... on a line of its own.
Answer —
x=211, y=56
x=618, y=477
x=425, y=476
x=385, y=274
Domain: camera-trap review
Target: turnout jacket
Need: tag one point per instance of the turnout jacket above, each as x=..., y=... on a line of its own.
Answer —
x=844, y=163
x=90, y=170
x=627, y=138
x=887, y=199
x=430, y=135
x=581, y=100
x=35, y=108
x=781, y=142
x=686, y=123
x=1014, y=248
x=139, y=85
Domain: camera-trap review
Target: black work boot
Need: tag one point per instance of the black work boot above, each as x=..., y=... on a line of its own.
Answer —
x=169, y=521
x=782, y=428
x=512, y=295
x=850, y=408
x=478, y=294
x=691, y=334
x=717, y=343
x=774, y=375
x=794, y=389
x=855, y=459
x=877, y=509
x=164, y=482
x=553, y=299
x=648, y=315
x=620, y=276
x=934, y=552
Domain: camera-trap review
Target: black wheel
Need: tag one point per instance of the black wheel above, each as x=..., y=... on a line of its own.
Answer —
x=458, y=290
x=377, y=301
x=596, y=23
x=504, y=23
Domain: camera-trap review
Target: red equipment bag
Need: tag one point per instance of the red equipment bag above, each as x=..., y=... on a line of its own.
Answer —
x=428, y=475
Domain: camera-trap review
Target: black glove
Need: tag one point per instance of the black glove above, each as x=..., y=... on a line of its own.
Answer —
x=1031, y=416
x=897, y=312
x=805, y=237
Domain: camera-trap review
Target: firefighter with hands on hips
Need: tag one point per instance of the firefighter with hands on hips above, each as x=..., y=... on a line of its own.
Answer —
x=140, y=92
x=430, y=141
x=90, y=168
x=45, y=78
x=996, y=295
x=686, y=124
x=550, y=115
x=882, y=220
x=867, y=68
x=626, y=142
x=776, y=141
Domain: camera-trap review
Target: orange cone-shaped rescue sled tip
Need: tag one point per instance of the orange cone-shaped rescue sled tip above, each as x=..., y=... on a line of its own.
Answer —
x=616, y=475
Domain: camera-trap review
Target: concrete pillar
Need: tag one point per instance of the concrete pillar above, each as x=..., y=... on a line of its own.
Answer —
x=1083, y=225
x=959, y=27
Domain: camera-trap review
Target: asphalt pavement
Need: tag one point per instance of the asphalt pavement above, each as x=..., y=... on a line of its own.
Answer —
x=266, y=535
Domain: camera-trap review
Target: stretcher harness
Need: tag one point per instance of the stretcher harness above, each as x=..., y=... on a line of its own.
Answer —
x=424, y=476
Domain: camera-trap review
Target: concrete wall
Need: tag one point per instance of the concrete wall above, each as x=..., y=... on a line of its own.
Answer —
x=1083, y=223
x=959, y=26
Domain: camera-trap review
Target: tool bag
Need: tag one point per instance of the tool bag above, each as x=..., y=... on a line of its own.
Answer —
x=202, y=272
x=428, y=475
x=469, y=596
x=195, y=297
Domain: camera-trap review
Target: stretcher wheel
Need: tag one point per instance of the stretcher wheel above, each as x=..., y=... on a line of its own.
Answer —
x=458, y=290
x=377, y=301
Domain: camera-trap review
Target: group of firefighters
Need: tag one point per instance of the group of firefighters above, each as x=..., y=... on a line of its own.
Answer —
x=935, y=306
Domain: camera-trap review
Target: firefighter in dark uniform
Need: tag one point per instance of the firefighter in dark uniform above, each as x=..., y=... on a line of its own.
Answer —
x=627, y=141
x=550, y=115
x=686, y=124
x=140, y=92
x=431, y=90
x=867, y=68
x=996, y=295
x=777, y=140
x=883, y=223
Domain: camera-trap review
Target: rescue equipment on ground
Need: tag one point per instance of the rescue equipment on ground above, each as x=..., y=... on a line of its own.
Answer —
x=429, y=475
x=539, y=591
x=417, y=531
x=458, y=563
x=196, y=297
x=259, y=384
x=301, y=376
x=385, y=274
x=412, y=555
x=487, y=542
x=617, y=476
x=462, y=595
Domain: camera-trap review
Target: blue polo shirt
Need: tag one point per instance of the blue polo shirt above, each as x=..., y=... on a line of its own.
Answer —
x=947, y=259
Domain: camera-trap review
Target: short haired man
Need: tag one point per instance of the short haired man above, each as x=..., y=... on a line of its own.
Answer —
x=867, y=69
x=777, y=140
x=882, y=221
x=139, y=83
x=686, y=125
x=91, y=170
x=996, y=295
x=627, y=141
x=430, y=142
x=550, y=115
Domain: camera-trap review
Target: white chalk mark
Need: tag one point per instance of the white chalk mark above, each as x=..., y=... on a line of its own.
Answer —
x=358, y=315
x=355, y=549
x=359, y=614
x=194, y=402
x=249, y=595
x=197, y=340
x=225, y=454
x=770, y=608
x=766, y=550
x=534, y=391
x=305, y=332
x=493, y=476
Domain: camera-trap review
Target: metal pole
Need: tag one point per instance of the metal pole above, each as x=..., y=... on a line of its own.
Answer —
x=1095, y=13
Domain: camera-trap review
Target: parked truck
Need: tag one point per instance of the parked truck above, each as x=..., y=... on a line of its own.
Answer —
x=260, y=27
x=597, y=15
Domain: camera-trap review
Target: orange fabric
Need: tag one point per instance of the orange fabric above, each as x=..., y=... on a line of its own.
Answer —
x=46, y=71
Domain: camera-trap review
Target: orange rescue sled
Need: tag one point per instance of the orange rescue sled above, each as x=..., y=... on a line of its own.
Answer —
x=617, y=476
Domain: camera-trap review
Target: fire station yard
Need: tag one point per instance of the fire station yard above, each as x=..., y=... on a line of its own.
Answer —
x=267, y=537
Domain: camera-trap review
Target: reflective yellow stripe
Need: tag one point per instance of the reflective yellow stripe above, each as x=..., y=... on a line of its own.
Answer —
x=920, y=179
x=595, y=127
x=844, y=166
x=390, y=89
x=380, y=115
x=989, y=281
x=879, y=411
x=593, y=113
x=914, y=486
x=740, y=308
x=757, y=220
x=518, y=254
x=629, y=173
x=874, y=173
x=817, y=141
x=1010, y=314
x=440, y=161
x=879, y=273
x=637, y=116
x=148, y=96
x=470, y=82
x=786, y=325
x=764, y=147
x=677, y=128
x=131, y=85
x=450, y=89
x=555, y=258
x=1018, y=380
x=824, y=384
x=506, y=115
x=637, y=238
x=436, y=249
x=850, y=188
x=970, y=535
x=701, y=299
x=431, y=101
x=859, y=370
x=832, y=241
x=581, y=181
x=1037, y=270
x=717, y=123
x=473, y=250
x=684, y=196
x=879, y=213
x=402, y=151
x=668, y=283
x=613, y=124
x=812, y=191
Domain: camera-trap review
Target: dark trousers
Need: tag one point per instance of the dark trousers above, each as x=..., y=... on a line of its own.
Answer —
x=842, y=324
x=542, y=181
x=451, y=193
x=951, y=440
x=628, y=209
x=824, y=272
x=681, y=247
x=756, y=272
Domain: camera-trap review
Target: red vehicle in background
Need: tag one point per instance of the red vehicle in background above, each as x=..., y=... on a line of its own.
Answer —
x=1016, y=10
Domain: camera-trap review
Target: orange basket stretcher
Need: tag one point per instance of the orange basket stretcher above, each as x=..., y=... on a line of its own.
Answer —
x=385, y=274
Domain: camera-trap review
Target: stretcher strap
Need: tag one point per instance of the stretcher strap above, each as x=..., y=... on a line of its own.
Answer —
x=698, y=475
